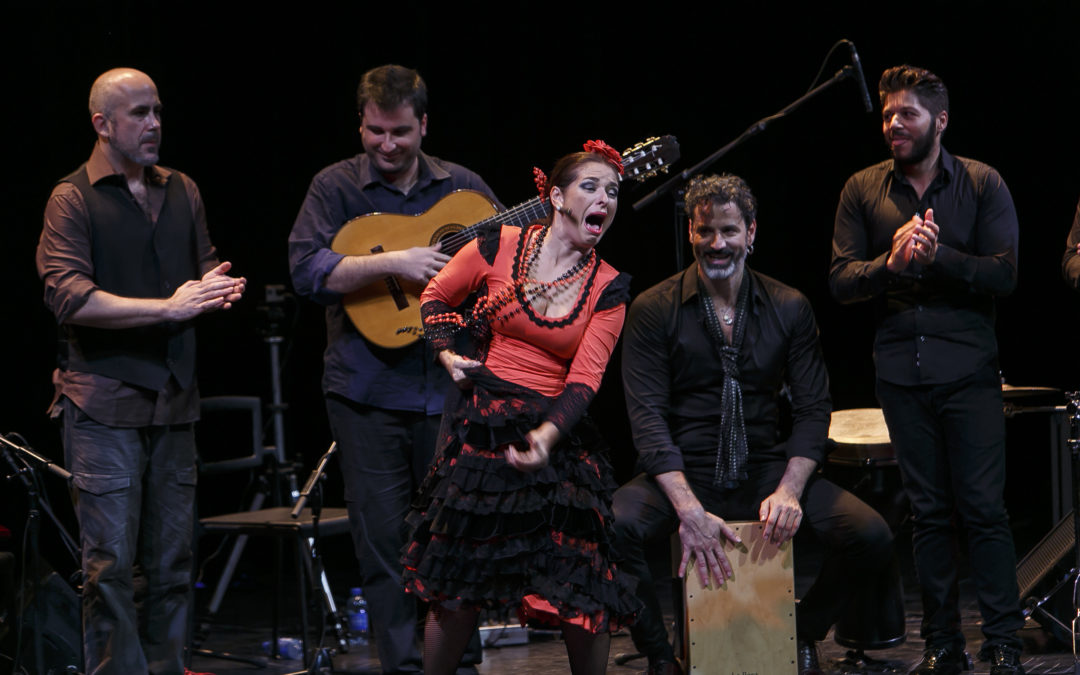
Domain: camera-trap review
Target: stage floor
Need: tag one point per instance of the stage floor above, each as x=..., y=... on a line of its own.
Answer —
x=244, y=623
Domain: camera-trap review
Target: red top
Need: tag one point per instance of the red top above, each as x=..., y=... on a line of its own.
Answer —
x=534, y=351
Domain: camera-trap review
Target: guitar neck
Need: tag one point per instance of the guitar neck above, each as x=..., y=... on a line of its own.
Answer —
x=518, y=216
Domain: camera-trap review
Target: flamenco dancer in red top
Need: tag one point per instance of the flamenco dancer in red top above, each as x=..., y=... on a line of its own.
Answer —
x=516, y=511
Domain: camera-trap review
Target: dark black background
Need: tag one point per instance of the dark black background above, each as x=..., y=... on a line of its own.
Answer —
x=258, y=100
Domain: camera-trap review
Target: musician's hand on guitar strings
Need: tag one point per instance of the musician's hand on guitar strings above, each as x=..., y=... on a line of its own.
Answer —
x=420, y=263
x=456, y=365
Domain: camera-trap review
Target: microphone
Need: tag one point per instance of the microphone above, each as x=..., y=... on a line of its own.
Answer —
x=856, y=66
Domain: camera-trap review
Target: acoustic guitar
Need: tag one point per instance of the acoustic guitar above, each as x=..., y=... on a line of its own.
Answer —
x=387, y=312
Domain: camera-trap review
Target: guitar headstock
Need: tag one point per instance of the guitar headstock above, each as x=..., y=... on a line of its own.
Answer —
x=650, y=157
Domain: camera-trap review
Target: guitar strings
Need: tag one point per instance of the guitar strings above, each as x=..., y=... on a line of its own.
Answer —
x=519, y=216
x=527, y=211
x=534, y=209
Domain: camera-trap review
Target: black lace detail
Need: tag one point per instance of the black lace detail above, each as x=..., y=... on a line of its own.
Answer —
x=439, y=335
x=519, y=291
x=479, y=338
x=485, y=534
x=488, y=242
x=614, y=294
x=570, y=405
x=519, y=253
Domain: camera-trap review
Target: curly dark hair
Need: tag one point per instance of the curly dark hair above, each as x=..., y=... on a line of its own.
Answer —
x=722, y=189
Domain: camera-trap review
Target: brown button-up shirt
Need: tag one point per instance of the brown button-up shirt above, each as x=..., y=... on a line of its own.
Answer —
x=66, y=267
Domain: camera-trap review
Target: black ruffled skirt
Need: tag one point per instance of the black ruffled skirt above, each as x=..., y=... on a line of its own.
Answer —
x=487, y=535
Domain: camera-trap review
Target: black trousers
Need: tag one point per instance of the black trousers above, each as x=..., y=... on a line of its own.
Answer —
x=385, y=455
x=950, y=445
x=858, y=543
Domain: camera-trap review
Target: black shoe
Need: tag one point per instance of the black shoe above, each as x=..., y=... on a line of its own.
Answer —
x=664, y=667
x=941, y=661
x=1004, y=660
x=808, y=659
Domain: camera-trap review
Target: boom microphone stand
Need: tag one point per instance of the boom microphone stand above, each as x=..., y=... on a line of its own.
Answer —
x=675, y=183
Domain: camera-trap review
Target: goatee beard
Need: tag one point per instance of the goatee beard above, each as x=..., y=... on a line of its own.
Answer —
x=727, y=271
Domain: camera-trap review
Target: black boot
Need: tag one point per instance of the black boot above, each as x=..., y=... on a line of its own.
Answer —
x=808, y=659
x=941, y=661
x=665, y=667
x=1004, y=660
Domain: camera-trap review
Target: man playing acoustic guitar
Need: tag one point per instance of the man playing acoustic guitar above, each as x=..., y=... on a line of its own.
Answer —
x=383, y=404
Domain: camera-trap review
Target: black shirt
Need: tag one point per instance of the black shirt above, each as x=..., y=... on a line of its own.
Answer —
x=672, y=376
x=936, y=322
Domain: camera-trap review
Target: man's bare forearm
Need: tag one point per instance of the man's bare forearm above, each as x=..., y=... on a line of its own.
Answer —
x=105, y=310
x=797, y=473
x=416, y=264
x=679, y=493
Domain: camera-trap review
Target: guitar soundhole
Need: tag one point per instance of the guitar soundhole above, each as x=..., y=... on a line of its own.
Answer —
x=445, y=231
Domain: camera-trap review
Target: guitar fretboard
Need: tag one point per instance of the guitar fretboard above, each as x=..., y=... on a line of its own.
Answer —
x=518, y=216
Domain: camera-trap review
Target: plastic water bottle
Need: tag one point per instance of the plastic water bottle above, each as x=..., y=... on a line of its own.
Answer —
x=288, y=648
x=357, y=613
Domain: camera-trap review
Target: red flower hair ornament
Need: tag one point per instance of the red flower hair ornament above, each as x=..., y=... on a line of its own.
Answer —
x=599, y=147
x=607, y=152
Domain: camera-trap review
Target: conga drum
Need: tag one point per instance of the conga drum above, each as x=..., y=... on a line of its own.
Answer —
x=874, y=620
x=860, y=438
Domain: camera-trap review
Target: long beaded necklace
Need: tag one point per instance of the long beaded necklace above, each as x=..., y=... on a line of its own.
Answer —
x=490, y=308
x=535, y=288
